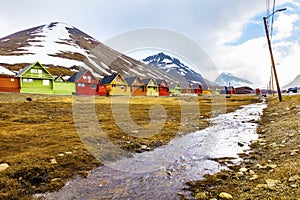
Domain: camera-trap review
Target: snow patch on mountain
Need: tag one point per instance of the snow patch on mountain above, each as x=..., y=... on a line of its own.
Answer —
x=227, y=79
x=46, y=41
x=174, y=67
x=4, y=71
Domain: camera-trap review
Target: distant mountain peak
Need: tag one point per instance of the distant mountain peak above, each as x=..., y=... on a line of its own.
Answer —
x=228, y=79
x=175, y=67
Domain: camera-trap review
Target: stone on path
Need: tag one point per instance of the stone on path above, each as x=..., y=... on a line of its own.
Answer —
x=3, y=166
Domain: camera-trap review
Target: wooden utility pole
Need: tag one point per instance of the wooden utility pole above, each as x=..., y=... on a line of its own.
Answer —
x=272, y=59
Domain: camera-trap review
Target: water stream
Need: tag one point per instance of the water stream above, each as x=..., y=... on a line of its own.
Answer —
x=162, y=173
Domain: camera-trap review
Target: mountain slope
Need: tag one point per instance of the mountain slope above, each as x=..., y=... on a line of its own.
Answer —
x=227, y=79
x=63, y=48
x=294, y=83
x=174, y=67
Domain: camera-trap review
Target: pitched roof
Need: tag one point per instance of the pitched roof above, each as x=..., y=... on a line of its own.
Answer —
x=22, y=71
x=59, y=78
x=130, y=80
x=108, y=79
x=147, y=80
x=174, y=85
x=77, y=75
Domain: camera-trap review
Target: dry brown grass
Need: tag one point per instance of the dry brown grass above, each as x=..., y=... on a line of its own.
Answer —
x=34, y=133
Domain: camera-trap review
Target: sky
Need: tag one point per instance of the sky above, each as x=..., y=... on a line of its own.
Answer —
x=230, y=33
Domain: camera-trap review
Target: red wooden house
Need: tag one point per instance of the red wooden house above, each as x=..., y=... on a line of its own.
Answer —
x=197, y=88
x=86, y=82
x=137, y=86
x=243, y=90
x=163, y=87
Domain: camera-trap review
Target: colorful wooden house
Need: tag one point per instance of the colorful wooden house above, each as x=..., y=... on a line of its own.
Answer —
x=151, y=87
x=8, y=81
x=137, y=86
x=175, y=89
x=227, y=90
x=243, y=90
x=163, y=88
x=35, y=79
x=115, y=85
x=62, y=87
x=86, y=83
x=186, y=88
x=197, y=88
x=101, y=90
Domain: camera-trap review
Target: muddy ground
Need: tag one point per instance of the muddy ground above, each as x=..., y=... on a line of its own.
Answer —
x=271, y=170
x=41, y=148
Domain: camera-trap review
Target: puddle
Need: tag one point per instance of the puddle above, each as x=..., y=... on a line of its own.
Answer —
x=162, y=173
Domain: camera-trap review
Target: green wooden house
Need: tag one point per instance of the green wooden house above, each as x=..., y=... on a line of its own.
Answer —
x=36, y=79
x=175, y=89
x=62, y=87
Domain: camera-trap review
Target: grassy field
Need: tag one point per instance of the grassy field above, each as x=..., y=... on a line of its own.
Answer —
x=272, y=169
x=46, y=140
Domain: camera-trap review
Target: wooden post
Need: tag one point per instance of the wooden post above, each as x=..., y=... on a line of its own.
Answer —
x=272, y=59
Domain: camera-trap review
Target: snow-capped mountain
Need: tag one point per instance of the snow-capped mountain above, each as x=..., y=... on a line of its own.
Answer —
x=294, y=83
x=174, y=67
x=227, y=79
x=63, y=48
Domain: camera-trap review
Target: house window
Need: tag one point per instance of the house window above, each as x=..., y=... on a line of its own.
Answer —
x=122, y=87
x=12, y=79
x=46, y=82
x=30, y=80
x=113, y=85
x=94, y=86
x=84, y=77
x=40, y=72
x=81, y=85
x=25, y=80
x=33, y=71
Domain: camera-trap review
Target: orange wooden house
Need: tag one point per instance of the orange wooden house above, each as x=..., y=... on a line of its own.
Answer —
x=137, y=86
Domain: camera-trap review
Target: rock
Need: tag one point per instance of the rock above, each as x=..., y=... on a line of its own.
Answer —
x=225, y=195
x=251, y=172
x=55, y=179
x=243, y=169
x=294, y=178
x=253, y=177
x=53, y=161
x=271, y=166
x=293, y=153
x=264, y=186
x=293, y=185
x=61, y=154
x=259, y=166
x=201, y=195
x=241, y=144
x=3, y=166
x=271, y=183
x=68, y=152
